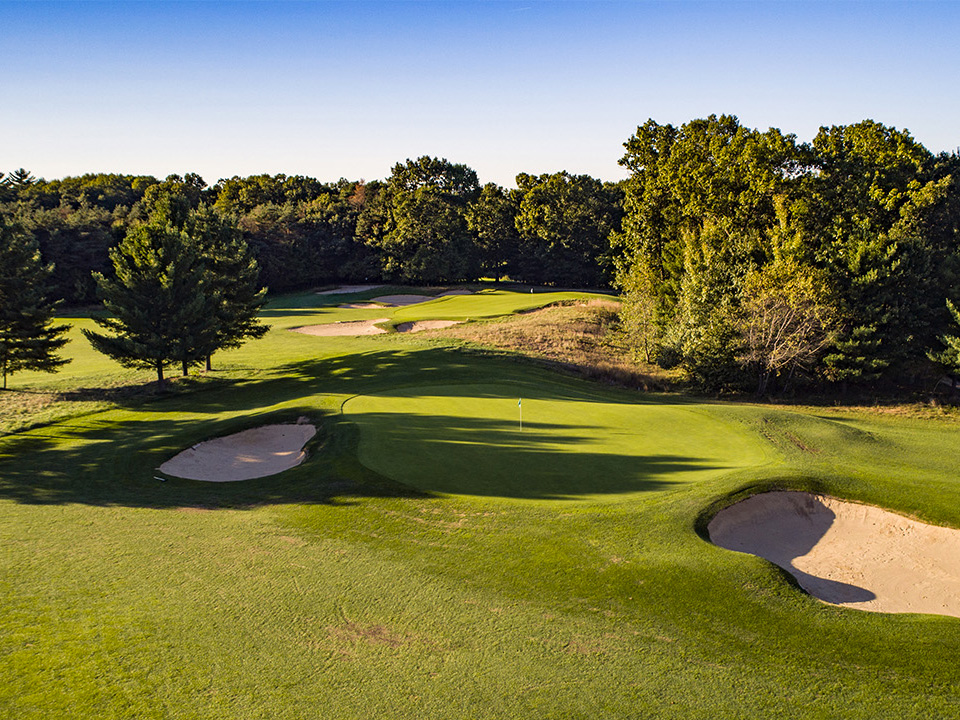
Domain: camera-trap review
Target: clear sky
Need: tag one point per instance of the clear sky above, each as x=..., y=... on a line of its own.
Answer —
x=347, y=89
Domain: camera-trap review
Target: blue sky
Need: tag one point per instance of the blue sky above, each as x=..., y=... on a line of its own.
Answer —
x=347, y=89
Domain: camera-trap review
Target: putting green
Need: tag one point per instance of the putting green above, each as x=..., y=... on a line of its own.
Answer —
x=467, y=439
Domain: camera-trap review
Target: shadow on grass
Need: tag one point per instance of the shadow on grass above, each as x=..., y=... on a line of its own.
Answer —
x=116, y=464
x=111, y=458
x=493, y=458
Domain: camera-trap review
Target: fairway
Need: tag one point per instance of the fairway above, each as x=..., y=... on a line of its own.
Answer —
x=431, y=559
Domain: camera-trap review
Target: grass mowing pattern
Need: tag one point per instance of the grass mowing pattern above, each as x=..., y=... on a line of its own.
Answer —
x=400, y=571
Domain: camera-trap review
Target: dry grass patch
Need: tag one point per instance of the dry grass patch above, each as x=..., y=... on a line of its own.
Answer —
x=581, y=336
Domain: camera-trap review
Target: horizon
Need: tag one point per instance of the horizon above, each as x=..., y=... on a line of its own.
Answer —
x=346, y=90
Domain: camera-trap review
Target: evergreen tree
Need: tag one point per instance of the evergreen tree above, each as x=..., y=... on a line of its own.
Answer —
x=855, y=356
x=28, y=341
x=949, y=357
x=231, y=279
x=162, y=308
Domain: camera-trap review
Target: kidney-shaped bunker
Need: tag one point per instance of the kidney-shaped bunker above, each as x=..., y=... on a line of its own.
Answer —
x=847, y=553
x=245, y=455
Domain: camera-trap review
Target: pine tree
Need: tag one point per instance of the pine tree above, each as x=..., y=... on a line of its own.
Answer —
x=232, y=276
x=856, y=356
x=949, y=358
x=28, y=341
x=162, y=308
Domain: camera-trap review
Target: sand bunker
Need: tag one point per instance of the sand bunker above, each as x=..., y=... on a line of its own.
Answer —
x=848, y=554
x=399, y=300
x=346, y=289
x=351, y=327
x=245, y=455
x=426, y=325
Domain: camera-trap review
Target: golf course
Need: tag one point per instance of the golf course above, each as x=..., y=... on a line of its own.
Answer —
x=468, y=534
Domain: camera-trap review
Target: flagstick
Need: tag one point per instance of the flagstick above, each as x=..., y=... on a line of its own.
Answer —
x=520, y=405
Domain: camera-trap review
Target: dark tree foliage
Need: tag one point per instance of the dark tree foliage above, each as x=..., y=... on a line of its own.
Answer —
x=241, y=195
x=565, y=222
x=949, y=357
x=106, y=191
x=417, y=222
x=28, y=339
x=492, y=218
x=312, y=241
x=865, y=207
x=77, y=242
x=231, y=279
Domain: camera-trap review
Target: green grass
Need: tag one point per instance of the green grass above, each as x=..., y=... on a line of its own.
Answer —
x=430, y=559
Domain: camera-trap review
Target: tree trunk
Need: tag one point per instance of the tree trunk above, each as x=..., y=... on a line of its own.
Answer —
x=762, y=386
x=209, y=367
x=159, y=374
x=186, y=368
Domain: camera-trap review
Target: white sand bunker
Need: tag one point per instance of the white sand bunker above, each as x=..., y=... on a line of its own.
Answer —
x=245, y=455
x=349, y=327
x=402, y=300
x=848, y=554
x=426, y=325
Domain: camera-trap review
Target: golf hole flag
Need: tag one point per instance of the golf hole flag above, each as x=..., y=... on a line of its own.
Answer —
x=520, y=405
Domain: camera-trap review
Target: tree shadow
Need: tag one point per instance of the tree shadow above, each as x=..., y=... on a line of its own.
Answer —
x=116, y=464
x=790, y=531
x=453, y=454
x=112, y=458
x=396, y=371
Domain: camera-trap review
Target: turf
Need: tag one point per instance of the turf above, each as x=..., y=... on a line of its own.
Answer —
x=430, y=559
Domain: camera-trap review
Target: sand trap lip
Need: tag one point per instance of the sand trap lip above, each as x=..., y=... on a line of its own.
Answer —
x=419, y=325
x=245, y=455
x=348, y=327
x=347, y=289
x=848, y=554
x=362, y=306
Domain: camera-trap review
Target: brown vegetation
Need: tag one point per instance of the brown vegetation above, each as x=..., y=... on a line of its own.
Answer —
x=583, y=337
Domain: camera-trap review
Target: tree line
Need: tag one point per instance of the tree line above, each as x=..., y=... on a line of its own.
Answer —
x=747, y=257
x=744, y=257
x=430, y=221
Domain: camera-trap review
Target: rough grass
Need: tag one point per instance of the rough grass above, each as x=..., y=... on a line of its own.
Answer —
x=578, y=336
x=430, y=561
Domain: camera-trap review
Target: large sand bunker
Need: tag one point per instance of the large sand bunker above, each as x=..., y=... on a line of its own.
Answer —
x=245, y=455
x=848, y=554
x=349, y=327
